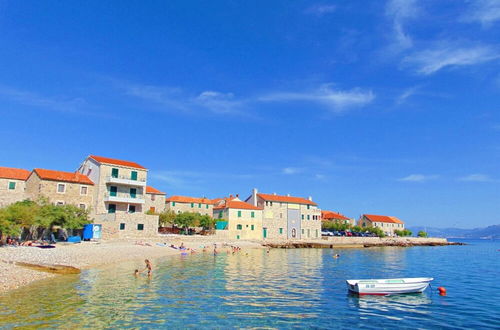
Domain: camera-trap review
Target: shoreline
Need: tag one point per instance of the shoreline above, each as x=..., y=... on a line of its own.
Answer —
x=88, y=255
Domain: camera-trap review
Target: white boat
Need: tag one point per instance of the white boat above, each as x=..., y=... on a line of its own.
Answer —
x=388, y=286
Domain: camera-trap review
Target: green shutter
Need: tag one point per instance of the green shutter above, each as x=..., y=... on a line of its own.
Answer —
x=192, y=204
x=12, y=185
x=122, y=226
x=114, y=172
x=220, y=215
x=281, y=231
x=239, y=214
x=302, y=217
x=133, y=192
x=253, y=214
x=308, y=217
x=111, y=208
x=173, y=203
x=140, y=226
x=112, y=191
x=207, y=206
x=239, y=227
x=308, y=206
x=199, y=205
x=133, y=175
x=252, y=227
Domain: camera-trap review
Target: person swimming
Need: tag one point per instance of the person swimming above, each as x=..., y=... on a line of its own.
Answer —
x=136, y=272
x=149, y=267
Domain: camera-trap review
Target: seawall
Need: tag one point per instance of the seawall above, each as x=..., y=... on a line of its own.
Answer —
x=329, y=242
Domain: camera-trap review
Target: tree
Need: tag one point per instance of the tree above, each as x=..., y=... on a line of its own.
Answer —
x=422, y=234
x=186, y=219
x=376, y=230
x=167, y=218
x=206, y=221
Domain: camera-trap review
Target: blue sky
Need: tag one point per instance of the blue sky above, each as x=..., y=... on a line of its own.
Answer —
x=382, y=107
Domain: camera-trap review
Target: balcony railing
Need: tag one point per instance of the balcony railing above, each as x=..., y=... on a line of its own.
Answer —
x=124, y=198
x=126, y=180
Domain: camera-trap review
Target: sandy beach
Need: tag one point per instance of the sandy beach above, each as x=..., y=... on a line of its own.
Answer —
x=94, y=254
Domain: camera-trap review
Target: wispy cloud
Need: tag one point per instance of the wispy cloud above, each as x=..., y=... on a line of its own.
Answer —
x=194, y=180
x=321, y=9
x=291, y=170
x=418, y=178
x=485, y=12
x=445, y=54
x=334, y=99
x=406, y=94
x=477, y=177
x=400, y=11
x=220, y=103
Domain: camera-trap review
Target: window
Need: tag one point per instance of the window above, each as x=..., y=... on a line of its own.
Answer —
x=271, y=203
x=302, y=217
x=207, y=206
x=281, y=231
x=237, y=236
x=114, y=172
x=112, y=191
x=239, y=227
x=173, y=203
x=252, y=227
x=133, y=175
x=112, y=208
x=89, y=171
x=131, y=209
x=302, y=231
x=153, y=197
x=83, y=206
x=239, y=214
x=12, y=185
x=122, y=226
x=308, y=206
x=152, y=209
x=308, y=217
x=83, y=190
x=140, y=226
x=252, y=214
x=192, y=204
x=267, y=203
x=133, y=192
x=309, y=233
x=199, y=205
x=61, y=188
x=220, y=215
x=316, y=233
x=59, y=203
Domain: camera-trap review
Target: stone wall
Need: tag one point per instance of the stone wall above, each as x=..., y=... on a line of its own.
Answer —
x=10, y=196
x=111, y=225
x=36, y=187
x=155, y=201
x=385, y=240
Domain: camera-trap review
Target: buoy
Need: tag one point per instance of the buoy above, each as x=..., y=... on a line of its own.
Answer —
x=442, y=291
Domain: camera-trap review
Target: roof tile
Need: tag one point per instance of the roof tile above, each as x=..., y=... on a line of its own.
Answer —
x=62, y=176
x=286, y=199
x=382, y=218
x=152, y=190
x=106, y=160
x=14, y=173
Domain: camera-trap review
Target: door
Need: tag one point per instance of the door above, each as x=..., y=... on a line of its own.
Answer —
x=293, y=223
x=112, y=191
x=133, y=192
x=114, y=173
x=264, y=232
x=133, y=175
x=111, y=208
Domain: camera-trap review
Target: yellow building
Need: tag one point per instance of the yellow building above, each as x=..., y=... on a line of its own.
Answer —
x=244, y=221
x=386, y=223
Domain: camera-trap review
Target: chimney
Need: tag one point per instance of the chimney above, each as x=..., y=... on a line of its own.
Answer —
x=287, y=195
x=237, y=195
x=231, y=196
x=310, y=198
x=254, y=196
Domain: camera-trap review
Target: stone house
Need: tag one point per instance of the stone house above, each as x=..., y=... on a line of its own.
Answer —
x=330, y=216
x=386, y=223
x=287, y=217
x=180, y=204
x=120, y=197
x=155, y=200
x=244, y=221
x=61, y=188
x=12, y=185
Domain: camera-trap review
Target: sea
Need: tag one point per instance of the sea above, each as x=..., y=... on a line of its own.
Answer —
x=282, y=289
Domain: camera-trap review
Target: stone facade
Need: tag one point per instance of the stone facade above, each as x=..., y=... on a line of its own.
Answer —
x=123, y=226
x=180, y=204
x=12, y=185
x=286, y=217
x=155, y=200
x=244, y=220
x=386, y=223
x=60, y=192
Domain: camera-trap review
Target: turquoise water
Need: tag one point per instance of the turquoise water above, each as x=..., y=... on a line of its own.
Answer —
x=301, y=288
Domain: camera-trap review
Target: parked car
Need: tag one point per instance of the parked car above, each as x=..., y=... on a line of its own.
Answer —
x=348, y=233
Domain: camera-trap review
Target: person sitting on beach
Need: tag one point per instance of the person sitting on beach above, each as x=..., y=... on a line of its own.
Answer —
x=182, y=247
x=149, y=267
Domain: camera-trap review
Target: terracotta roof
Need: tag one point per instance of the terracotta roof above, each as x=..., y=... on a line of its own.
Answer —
x=112, y=161
x=14, y=173
x=62, y=176
x=185, y=199
x=285, y=199
x=330, y=215
x=382, y=218
x=152, y=190
x=228, y=203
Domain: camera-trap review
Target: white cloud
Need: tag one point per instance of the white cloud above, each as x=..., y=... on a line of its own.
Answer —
x=321, y=9
x=444, y=55
x=320, y=177
x=485, y=12
x=335, y=100
x=476, y=178
x=400, y=11
x=291, y=170
x=217, y=102
x=406, y=94
x=418, y=178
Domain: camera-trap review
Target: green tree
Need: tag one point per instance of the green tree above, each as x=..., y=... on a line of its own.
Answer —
x=206, y=221
x=422, y=234
x=376, y=230
x=186, y=219
x=167, y=218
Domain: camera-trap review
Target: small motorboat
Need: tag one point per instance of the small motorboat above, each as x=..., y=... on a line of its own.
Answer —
x=383, y=287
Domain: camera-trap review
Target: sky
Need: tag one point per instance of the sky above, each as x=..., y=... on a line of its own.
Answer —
x=378, y=107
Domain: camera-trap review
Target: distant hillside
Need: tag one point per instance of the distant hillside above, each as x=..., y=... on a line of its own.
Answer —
x=491, y=232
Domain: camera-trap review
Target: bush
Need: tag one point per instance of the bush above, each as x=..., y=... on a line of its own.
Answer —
x=403, y=233
x=422, y=234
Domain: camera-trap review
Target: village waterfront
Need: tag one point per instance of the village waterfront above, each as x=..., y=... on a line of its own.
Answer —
x=284, y=288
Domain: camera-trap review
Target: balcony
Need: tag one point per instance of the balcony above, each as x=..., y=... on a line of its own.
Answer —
x=126, y=180
x=124, y=198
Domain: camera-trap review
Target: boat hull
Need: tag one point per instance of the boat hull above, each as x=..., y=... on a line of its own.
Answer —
x=382, y=287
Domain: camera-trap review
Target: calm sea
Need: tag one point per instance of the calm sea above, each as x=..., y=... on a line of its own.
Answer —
x=303, y=288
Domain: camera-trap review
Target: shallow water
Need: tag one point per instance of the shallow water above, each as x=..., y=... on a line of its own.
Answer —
x=302, y=288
